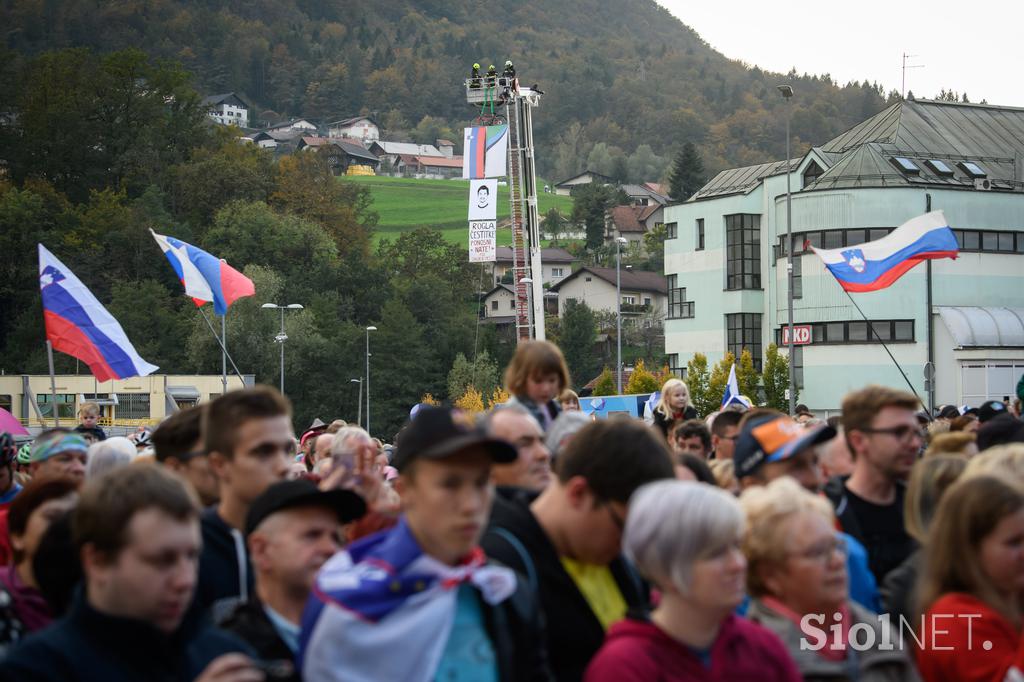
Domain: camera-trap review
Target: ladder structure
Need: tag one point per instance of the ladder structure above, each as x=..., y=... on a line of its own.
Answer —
x=526, y=247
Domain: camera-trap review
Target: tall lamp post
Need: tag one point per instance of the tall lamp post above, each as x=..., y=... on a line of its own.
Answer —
x=528, y=281
x=619, y=241
x=359, y=402
x=368, y=330
x=787, y=94
x=281, y=337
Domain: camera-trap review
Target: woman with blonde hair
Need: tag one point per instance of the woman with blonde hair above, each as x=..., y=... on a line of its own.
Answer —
x=798, y=583
x=972, y=584
x=929, y=480
x=673, y=406
x=962, y=443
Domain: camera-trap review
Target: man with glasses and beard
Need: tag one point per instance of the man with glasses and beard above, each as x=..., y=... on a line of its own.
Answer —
x=881, y=429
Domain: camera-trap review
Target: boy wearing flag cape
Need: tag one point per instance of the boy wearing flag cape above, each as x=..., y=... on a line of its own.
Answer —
x=420, y=601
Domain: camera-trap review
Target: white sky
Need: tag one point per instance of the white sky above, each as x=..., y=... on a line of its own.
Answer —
x=964, y=45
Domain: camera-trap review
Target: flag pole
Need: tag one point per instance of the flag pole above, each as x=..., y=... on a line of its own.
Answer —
x=224, y=351
x=221, y=344
x=53, y=383
x=891, y=356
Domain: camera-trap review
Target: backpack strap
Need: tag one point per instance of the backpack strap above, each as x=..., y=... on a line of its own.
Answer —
x=524, y=556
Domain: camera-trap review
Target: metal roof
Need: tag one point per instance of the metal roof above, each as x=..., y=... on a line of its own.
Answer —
x=983, y=327
x=741, y=180
x=639, y=280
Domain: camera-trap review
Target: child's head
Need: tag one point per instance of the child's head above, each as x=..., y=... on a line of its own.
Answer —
x=537, y=372
x=88, y=414
x=675, y=396
x=569, y=400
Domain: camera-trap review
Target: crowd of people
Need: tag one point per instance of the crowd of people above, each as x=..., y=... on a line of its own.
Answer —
x=532, y=542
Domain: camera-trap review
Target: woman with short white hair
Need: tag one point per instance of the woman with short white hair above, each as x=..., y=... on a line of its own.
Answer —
x=798, y=584
x=684, y=538
x=107, y=455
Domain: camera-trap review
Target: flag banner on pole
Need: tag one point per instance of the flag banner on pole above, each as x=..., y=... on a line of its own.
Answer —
x=79, y=325
x=206, y=278
x=732, y=390
x=485, y=152
x=483, y=199
x=483, y=241
x=876, y=265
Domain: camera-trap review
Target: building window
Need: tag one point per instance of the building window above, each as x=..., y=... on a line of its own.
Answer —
x=673, y=366
x=743, y=251
x=678, y=307
x=798, y=278
x=494, y=305
x=671, y=230
x=133, y=406
x=812, y=173
x=629, y=300
x=512, y=304
x=5, y=403
x=798, y=366
x=65, y=405
x=743, y=331
x=857, y=332
x=557, y=272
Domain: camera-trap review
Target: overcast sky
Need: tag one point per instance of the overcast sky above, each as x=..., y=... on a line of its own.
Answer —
x=971, y=46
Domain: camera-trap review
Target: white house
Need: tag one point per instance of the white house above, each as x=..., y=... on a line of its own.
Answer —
x=361, y=128
x=500, y=302
x=446, y=147
x=390, y=153
x=643, y=293
x=565, y=187
x=727, y=256
x=556, y=264
x=227, y=109
x=296, y=124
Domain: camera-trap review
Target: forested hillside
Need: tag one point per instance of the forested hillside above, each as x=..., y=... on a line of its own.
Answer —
x=617, y=75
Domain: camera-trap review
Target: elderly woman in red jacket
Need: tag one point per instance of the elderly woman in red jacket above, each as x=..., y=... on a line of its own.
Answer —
x=685, y=538
x=973, y=583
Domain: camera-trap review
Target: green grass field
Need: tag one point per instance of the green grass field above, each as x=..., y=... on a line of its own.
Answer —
x=404, y=204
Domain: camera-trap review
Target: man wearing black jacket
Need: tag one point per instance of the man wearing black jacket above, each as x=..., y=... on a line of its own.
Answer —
x=567, y=540
x=249, y=439
x=138, y=535
x=292, y=530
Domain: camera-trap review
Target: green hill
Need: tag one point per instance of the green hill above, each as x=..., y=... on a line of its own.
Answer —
x=405, y=203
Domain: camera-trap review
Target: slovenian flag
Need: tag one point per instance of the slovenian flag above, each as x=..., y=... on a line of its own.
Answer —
x=876, y=265
x=205, y=277
x=485, y=152
x=79, y=325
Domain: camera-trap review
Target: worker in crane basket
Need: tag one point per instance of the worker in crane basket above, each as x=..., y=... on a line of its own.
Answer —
x=510, y=70
x=474, y=76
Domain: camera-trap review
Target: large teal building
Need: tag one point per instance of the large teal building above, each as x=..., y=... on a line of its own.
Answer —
x=726, y=256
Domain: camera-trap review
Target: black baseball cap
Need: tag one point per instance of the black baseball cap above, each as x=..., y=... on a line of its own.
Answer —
x=299, y=493
x=989, y=409
x=949, y=412
x=439, y=432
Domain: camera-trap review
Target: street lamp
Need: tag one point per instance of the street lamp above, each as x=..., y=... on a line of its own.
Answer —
x=282, y=337
x=359, y=402
x=368, y=330
x=787, y=94
x=619, y=241
x=528, y=281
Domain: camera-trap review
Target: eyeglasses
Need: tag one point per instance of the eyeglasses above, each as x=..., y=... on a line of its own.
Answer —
x=903, y=433
x=823, y=551
x=617, y=519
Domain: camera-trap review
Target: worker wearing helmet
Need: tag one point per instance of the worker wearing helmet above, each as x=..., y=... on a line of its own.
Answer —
x=510, y=71
x=8, y=454
x=474, y=77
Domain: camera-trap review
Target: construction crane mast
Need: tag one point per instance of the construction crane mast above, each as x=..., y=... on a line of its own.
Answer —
x=518, y=106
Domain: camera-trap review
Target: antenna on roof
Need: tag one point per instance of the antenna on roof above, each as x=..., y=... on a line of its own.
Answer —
x=903, y=85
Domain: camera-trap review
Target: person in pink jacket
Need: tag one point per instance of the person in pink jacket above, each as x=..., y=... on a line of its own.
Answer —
x=685, y=538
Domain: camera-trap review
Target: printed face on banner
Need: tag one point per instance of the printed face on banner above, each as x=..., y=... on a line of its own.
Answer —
x=483, y=239
x=483, y=199
x=485, y=152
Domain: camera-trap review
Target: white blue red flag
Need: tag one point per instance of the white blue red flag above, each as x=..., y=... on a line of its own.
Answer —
x=79, y=325
x=732, y=391
x=876, y=265
x=205, y=277
x=485, y=152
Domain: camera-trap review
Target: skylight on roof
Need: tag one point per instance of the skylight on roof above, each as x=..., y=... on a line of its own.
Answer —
x=906, y=165
x=973, y=169
x=940, y=167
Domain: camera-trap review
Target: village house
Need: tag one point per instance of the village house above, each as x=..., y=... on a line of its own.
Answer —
x=556, y=265
x=390, y=152
x=341, y=153
x=643, y=293
x=227, y=109
x=565, y=187
x=362, y=128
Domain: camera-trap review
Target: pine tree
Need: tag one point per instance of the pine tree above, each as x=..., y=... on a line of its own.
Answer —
x=605, y=384
x=578, y=334
x=775, y=378
x=687, y=173
x=747, y=377
x=641, y=380
x=697, y=382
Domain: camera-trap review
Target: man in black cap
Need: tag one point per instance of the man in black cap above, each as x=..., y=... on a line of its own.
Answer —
x=420, y=601
x=990, y=409
x=292, y=530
